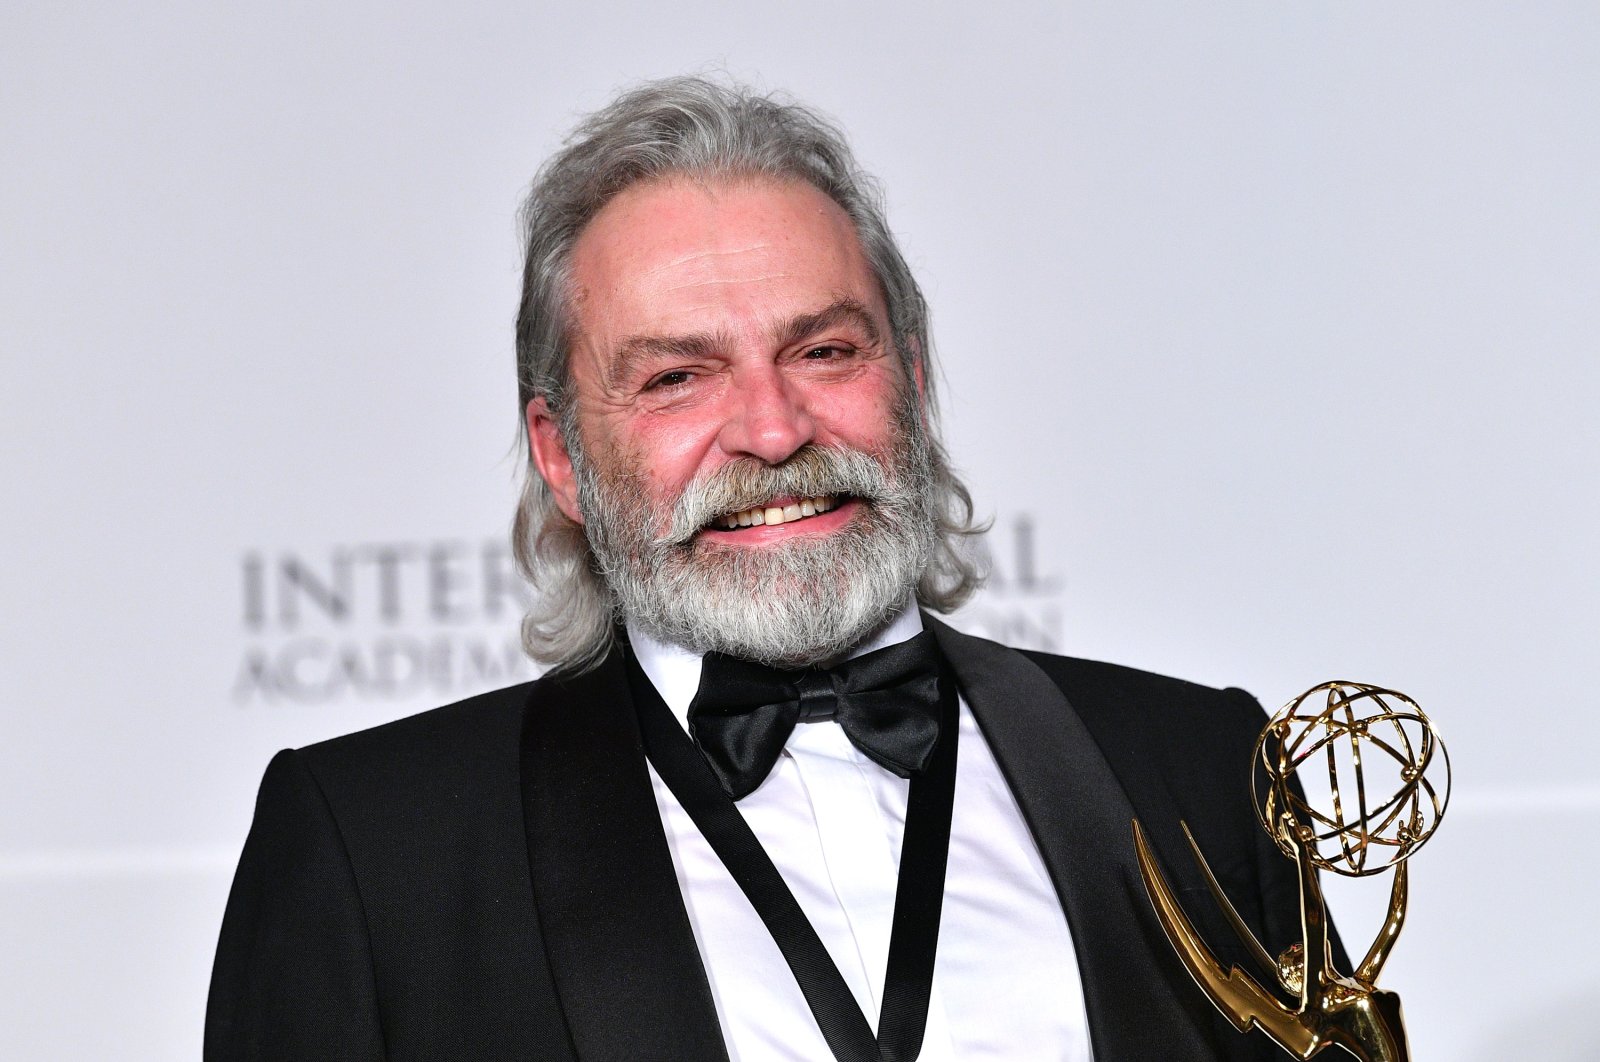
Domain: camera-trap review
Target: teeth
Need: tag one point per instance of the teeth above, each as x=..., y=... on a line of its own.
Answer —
x=763, y=515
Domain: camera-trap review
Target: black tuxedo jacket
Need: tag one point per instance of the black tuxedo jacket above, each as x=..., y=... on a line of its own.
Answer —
x=491, y=881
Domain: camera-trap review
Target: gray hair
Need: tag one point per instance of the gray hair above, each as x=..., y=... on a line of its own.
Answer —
x=699, y=128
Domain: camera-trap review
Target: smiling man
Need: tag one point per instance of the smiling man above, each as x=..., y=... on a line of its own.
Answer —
x=764, y=806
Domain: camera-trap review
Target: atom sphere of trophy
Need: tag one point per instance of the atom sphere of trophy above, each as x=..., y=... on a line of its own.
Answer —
x=1387, y=770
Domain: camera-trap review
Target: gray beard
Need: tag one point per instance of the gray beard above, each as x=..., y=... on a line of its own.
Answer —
x=790, y=604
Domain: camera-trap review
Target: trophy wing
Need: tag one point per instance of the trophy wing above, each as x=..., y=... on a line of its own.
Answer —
x=1268, y=966
x=1234, y=992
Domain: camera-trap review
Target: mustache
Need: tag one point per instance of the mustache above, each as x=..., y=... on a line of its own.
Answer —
x=744, y=484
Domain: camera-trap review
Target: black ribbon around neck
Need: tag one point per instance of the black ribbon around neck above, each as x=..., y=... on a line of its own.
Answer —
x=919, y=892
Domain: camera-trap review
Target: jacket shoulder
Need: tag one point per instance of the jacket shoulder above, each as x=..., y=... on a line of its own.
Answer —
x=1117, y=680
x=451, y=729
x=448, y=779
x=1126, y=704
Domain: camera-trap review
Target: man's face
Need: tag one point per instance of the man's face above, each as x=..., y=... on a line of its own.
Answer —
x=749, y=441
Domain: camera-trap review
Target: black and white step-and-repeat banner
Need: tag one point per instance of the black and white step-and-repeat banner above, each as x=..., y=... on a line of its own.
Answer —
x=1268, y=335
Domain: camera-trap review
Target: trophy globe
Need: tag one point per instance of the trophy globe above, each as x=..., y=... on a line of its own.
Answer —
x=1387, y=770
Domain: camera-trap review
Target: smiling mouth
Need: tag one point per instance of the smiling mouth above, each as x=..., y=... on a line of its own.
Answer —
x=787, y=512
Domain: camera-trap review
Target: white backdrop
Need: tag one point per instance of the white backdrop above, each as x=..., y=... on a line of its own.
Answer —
x=1268, y=341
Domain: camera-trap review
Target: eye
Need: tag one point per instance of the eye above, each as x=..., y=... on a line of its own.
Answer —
x=668, y=380
x=828, y=352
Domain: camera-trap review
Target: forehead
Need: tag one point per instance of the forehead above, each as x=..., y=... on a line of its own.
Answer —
x=682, y=254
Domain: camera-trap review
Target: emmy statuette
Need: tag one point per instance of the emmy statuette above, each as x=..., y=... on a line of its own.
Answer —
x=1379, y=750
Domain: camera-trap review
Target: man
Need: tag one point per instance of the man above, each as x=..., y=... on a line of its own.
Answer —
x=763, y=806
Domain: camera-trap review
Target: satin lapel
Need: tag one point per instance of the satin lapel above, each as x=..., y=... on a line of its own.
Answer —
x=621, y=951
x=1138, y=995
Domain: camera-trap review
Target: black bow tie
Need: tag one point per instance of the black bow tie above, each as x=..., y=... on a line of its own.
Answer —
x=887, y=702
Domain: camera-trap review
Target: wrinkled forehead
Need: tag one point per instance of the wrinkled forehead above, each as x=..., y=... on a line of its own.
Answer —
x=689, y=255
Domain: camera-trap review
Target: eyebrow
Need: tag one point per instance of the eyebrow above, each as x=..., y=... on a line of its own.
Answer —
x=841, y=311
x=636, y=349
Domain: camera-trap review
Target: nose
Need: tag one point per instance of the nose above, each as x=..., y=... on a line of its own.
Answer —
x=768, y=418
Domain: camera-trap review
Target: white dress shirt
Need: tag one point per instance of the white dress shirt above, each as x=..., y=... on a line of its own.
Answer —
x=1005, y=982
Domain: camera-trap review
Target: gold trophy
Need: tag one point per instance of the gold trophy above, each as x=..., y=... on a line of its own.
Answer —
x=1379, y=750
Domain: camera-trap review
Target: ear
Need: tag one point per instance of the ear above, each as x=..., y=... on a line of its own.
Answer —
x=548, y=451
x=920, y=381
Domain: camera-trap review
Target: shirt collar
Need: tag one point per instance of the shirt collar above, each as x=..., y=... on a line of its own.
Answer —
x=675, y=671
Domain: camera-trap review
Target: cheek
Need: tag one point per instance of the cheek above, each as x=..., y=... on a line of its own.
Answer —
x=667, y=454
x=864, y=417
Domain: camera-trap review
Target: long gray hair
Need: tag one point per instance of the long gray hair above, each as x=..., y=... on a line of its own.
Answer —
x=700, y=128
